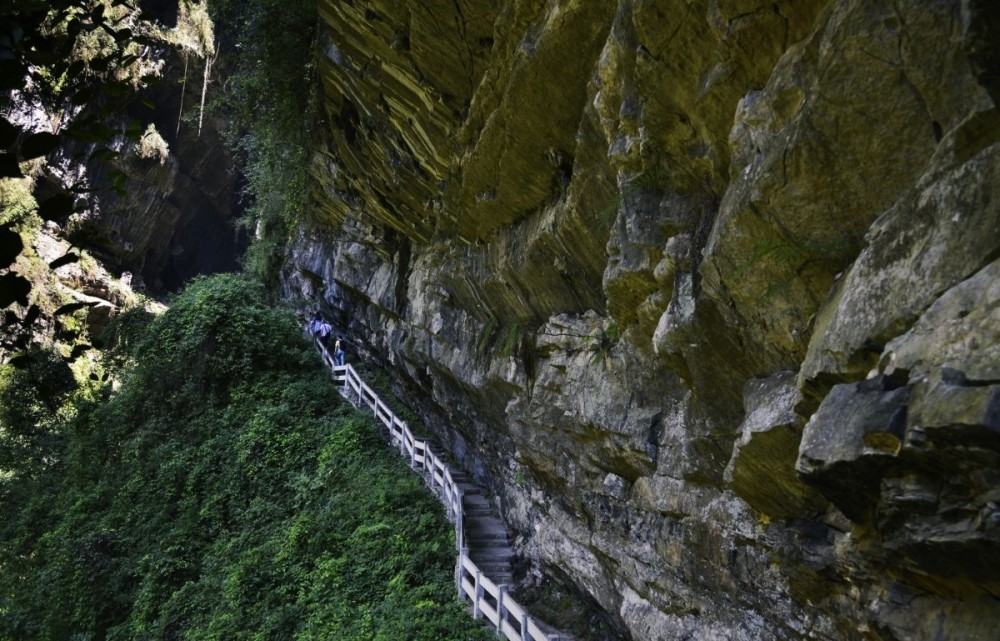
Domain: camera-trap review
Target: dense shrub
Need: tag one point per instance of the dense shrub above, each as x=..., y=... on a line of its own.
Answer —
x=225, y=491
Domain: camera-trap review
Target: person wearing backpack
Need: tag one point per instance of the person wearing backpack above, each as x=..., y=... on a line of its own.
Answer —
x=324, y=333
x=338, y=353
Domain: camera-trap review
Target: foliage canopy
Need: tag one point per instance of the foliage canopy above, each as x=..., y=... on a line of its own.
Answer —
x=224, y=491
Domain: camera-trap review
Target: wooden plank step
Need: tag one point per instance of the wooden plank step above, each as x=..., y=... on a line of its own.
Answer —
x=477, y=501
x=484, y=532
x=485, y=539
x=493, y=560
x=497, y=575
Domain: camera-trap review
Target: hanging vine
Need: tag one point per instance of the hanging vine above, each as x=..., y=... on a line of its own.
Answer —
x=195, y=35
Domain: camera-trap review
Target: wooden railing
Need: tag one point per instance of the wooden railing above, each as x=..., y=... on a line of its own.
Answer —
x=488, y=599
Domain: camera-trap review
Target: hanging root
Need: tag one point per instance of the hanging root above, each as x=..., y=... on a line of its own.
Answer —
x=209, y=60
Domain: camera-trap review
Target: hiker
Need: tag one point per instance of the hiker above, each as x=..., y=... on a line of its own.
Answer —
x=324, y=332
x=314, y=324
x=338, y=353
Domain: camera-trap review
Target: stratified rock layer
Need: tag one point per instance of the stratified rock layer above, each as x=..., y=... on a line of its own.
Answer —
x=706, y=292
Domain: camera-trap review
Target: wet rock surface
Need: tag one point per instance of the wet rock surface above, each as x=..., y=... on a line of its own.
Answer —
x=704, y=292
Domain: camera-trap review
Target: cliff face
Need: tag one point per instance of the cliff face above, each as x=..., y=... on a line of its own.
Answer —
x=146, y=211
x=162, y=217
x=177, y=216
x=706, y=292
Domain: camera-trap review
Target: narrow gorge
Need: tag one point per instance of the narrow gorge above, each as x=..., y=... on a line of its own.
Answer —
x=705, y=294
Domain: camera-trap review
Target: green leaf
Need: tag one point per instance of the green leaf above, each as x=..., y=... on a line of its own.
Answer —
x=38, y=144
x=21, y=361
x=12, y=73
x=31, y=316
x=14, y=288
x=75, y=69
x=134, y=130
x=57, y=208
x=73, y=27
x=117, y=177
x=83, y=96
x=78, y=351
x=8, y=134
x=100, y=64
x=89, y=130
x=10, y=246
x=69, y=308
x=8, y=166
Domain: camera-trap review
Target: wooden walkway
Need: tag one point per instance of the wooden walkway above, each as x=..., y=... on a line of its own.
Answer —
x=486, y=538
x=483, y=562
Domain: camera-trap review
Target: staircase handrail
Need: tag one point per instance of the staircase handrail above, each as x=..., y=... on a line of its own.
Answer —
x=489, y=599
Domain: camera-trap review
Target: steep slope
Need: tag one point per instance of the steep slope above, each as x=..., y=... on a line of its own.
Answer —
x=707, y=291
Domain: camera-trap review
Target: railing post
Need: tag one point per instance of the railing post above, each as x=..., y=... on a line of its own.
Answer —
x=502, y=592
x=476, y=612
x=459, y=570
x=459, y=525
x=453, y=497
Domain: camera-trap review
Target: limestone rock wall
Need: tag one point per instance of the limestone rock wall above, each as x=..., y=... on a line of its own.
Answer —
x=705, y=291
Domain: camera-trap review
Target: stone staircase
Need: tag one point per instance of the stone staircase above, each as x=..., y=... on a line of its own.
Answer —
x=486, y=537
x=484, y=568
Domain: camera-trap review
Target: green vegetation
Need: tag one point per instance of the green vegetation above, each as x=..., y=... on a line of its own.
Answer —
x=785, y=259
x=271, y=100
x=218, y=489
x=504, y=340
x=603, y=340
x=380, y=381
x=152, y=146
x=510, y=337
x=482, y=345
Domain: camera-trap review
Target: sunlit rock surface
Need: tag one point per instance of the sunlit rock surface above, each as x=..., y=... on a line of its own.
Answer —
x=159, y=220
x=704, y=292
